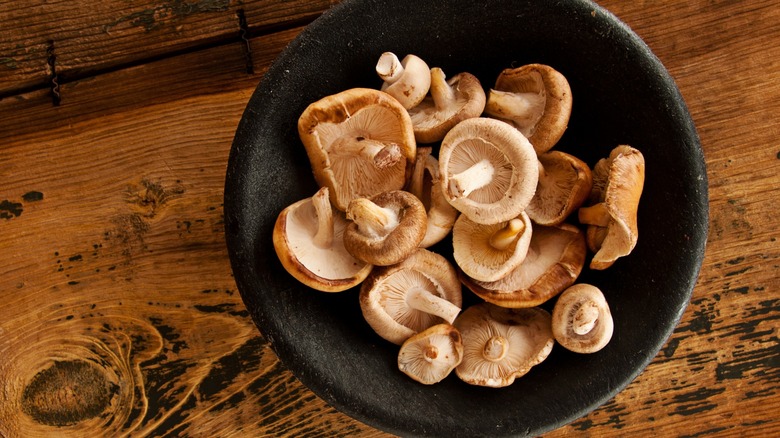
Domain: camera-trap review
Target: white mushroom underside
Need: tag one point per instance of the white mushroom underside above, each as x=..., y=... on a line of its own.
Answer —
x=412, y=358
x=554, y=189
x=523, y=348
x=481, y=253
x=426, y=115
x=536, y=263
x=331, y=263
x=394, y=299
x=474, y=150
x=355, y=175
x=523, y=110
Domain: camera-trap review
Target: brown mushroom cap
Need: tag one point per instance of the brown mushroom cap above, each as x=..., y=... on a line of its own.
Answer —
x=534, y=98
x=488, y=170
x=564, y=184
x=490, y=252
x=449, y=102
x=359, y=143
x=429, y=356
x=424, y=184
x=386, y=228
x=502, y=344
x=581, y=320
x=400, y=300
x=307, y=238
x=612, y=214
x=408, y=81
x=556, y=256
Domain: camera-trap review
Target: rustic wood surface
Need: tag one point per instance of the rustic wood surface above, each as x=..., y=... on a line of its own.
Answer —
x=119, y=312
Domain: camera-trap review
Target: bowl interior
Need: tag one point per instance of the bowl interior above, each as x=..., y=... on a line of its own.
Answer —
x=622, y=95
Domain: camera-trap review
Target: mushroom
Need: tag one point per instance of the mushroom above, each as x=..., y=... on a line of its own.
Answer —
x=488, y=170
x=564, y=184
x=359, y=142
x=408, y=81
x=307, y=238
x=400, y=300
x=534, y=98
x=424, y=184
x=431, y=355
x=449, y=102
x=502, y=344
x=489, y=252
x=581, y=320
x=555, y=258
x=614, y=200
x=386, y=228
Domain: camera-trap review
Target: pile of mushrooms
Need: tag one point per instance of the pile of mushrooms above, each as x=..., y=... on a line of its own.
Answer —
x=422, y=157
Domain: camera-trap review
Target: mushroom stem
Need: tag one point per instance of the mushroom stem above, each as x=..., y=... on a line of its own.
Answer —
x=388, y=156
x=475, y=177
x=430, y=353
x=596, y=214
x=525, y=109
x=389, y=67
x=416, y=183
x=505, y=236
x=441, y=92
x=323, y=238
x=421, y=299
x=371, y=219
x=495, y=348
x=383, y=155
x=585, y=318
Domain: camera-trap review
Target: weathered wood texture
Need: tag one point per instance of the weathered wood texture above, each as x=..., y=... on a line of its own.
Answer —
x=119, y=312
x=72, y=39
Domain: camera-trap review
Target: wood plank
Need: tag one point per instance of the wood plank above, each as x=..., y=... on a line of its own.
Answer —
x=84, y=37
x=187, y=75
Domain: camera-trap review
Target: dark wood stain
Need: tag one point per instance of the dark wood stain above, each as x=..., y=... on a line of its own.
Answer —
x=10, y=210
x=32, y=196
x=230, y=367
x=67, y=393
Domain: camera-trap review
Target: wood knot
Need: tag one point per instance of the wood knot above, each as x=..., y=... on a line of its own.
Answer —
x=67, y=393
x=150, y=196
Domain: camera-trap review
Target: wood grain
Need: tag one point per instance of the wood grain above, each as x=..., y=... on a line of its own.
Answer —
x=120, y=315
x=77, y=39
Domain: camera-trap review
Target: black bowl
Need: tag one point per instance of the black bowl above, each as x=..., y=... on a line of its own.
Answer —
x=622, y=95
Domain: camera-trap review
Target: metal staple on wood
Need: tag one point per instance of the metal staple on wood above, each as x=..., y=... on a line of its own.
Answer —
x=54, y=80
x=243, y=32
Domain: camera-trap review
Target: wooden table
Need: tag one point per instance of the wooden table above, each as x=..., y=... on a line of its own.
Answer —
x=119, y=312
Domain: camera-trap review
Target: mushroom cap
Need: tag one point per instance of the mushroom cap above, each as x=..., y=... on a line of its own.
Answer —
x=511, y=157
x=617, y=187
x=564, y=185
x=385, y=295
x=581, y=320
x=410, y=87
x=547, y=86
x=337, y=132
x=424, y=183
x=556, y=256
x=478, y=258
x=431, y=355
x=432, y=120
x=330, y=269
x=394, y=244
x=502, y=344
